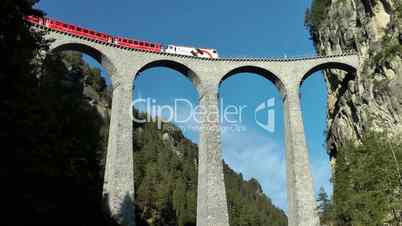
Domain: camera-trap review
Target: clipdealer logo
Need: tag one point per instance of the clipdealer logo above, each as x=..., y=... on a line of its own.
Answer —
x=182, y=111
x=268, y=107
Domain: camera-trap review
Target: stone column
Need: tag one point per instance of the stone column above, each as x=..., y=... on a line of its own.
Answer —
x=301, y=201
x=118, y=188
x=211, y=196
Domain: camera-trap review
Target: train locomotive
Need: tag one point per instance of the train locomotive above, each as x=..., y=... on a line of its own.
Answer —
x=121, y=41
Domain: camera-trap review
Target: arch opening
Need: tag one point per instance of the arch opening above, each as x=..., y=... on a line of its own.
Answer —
x=165, y=151
x=253, y=147
x=320, y=102
x=74, y=105
x=329, y=65
x=176, y=66
x=97, y=55
x=258, y=71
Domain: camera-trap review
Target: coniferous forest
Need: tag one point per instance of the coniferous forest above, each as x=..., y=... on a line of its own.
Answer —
x=61, y=107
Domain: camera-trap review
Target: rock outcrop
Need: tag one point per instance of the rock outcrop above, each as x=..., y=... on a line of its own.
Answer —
x=372, y=98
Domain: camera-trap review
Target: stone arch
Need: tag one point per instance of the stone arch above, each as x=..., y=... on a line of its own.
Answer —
x=328, y=65
x=259, y=71
x=319, y=111
x=98, y=55
x=269, y=78
x=176, y=66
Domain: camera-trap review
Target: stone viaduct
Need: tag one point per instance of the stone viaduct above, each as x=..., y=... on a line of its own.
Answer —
x=123, y=65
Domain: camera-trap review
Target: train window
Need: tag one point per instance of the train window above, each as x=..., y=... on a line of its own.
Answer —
x=135, y=42
x=146, y=44
x=152, y=45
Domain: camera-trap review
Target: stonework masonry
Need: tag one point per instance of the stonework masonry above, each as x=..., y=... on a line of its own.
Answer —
x=206, y=74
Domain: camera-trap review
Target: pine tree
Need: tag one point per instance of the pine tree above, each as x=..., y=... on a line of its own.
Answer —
x=324, y=207
x=367, y=189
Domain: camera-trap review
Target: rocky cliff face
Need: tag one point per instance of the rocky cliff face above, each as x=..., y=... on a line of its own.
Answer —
x=371, y=99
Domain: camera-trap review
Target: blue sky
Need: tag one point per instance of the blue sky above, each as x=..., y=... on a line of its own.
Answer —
x=235, y=28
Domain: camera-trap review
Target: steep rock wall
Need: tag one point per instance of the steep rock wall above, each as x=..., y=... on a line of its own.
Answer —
x=372, y=98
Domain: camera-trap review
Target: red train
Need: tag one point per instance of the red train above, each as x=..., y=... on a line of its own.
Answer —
x=120, y=41
x=94, y=35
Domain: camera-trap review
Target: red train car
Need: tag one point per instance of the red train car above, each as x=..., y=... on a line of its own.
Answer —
x=34, y=19
x=136, y=44
x=80, y=31
x=94, y=35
